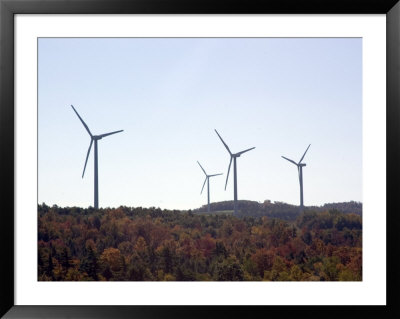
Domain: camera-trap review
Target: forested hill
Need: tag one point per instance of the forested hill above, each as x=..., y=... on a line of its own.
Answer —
x=247, y=208
x=150, y=244
x=279, y=209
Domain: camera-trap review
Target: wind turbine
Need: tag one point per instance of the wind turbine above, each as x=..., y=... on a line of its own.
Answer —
x=208, y=184
x=94, y=138
x=300, y=166
x=233, y=157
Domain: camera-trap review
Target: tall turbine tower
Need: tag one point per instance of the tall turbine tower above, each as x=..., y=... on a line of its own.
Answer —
x=300, y=166
x=208, y=185
x=94, y=138
x=233, y=157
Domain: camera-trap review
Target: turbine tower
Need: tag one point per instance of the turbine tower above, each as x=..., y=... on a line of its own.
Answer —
x=208, y=185
x=300, y=166
x=233, y=157
x=94, y=138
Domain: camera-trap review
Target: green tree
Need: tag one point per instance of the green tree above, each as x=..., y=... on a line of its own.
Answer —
x=330, y=268
x=49, y=269
x=90, y=264
x=229, y=270
x=65, y=259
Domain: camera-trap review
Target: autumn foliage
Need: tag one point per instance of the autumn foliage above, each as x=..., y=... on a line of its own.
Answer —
x=136, y=244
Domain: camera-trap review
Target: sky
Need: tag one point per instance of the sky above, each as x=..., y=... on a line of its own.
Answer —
x=169, y=94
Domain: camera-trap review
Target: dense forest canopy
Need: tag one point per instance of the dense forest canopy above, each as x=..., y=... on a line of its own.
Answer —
x=150, y=244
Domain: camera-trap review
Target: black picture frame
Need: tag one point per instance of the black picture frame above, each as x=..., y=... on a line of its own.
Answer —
x=8, y=8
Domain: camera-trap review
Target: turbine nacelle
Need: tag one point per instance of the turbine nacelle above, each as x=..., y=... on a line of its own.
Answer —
x=99, y=137
x=92, y=137
x=300, y=166
x=233, y=156
x=207, y=176
x=240, y=153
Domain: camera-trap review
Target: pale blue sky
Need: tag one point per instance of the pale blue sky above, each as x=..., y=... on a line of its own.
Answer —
x=168, y=95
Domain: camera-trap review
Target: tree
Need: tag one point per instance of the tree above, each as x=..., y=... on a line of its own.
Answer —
x=90, y=264
x=96, y=222
x=264, y=260
x=330, y=269
x=229, y=270
x=166, y=259
x=65, y=259
x=40, y=262
x=295, y=273
x=220, y=249
x=111, y=258
x=49, y=269
x=120, y=275
x=152, y=244
x=107, y=272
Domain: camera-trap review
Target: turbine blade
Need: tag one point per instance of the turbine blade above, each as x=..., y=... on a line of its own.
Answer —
x=227, y=175
x=202, y=168
x=223, y=142
x=106, y=134
x=203, y=186
x=290, y=160
x=215, y=175
x=87, y=156
x=84, y=124
x=304, y=153
x=249, y=149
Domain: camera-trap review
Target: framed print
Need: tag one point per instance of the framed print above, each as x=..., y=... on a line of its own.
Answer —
x=148, y=154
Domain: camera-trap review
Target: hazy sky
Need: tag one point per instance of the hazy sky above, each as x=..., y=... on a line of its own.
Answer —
x=169, y=94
